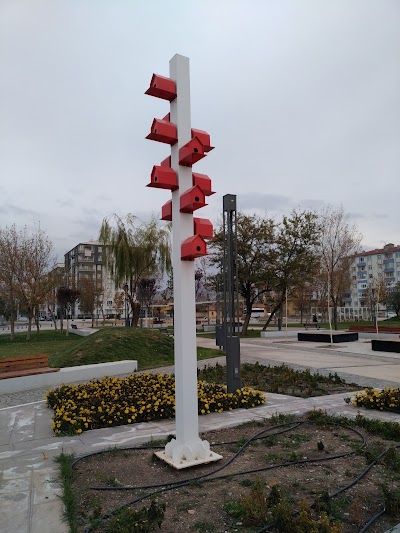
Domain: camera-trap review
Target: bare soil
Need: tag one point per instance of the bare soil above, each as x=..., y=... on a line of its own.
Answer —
x=280, y=459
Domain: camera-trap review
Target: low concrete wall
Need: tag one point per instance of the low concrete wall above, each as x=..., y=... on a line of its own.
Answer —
x=67, y=375
x=83, y=332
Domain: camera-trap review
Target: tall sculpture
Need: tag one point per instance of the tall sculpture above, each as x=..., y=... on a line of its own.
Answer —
x=189, y=191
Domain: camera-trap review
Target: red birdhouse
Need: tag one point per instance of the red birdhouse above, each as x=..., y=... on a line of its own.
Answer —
x=163, y=131
x=166, y=162
x=204, y=137
x=204, y=182
x=192, y=152
x=193, y=247
x=162, y=87
x=203, y=227
x=192, y=199
x=163, y=178
x=166, y=211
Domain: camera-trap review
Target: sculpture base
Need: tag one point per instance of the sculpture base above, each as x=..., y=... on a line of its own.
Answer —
x=186, y=455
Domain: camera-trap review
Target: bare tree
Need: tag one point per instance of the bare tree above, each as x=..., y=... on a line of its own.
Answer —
x=36, y=274
x=374, y=295
x=89, y=294
x=26, y=265
x=65, y=298
x=146, y=291
x=118, y=304
x=339, y=241
x=8, y=271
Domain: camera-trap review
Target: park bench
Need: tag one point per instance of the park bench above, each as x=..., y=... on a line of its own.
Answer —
x=372, y=329
x=13, y=367
x=165, y=331
x=74, y=326
x=311, y=325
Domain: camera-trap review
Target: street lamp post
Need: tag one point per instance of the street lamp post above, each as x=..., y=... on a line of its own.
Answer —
x=126, y=305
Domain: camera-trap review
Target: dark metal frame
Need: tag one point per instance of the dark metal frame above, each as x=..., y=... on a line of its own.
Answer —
x=230, y=301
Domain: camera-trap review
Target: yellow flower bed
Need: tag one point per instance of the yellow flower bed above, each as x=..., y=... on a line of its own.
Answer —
x=138, y=398
x=388, y=398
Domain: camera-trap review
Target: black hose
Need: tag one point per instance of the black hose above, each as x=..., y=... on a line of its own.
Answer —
x=163, y=487
x=373, y=519
x=202, y=476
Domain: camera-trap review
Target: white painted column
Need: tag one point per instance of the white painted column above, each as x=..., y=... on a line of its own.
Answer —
x=187, y=449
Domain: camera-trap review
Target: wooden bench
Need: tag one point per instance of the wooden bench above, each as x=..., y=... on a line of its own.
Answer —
x=372, y=329
x=311, y=325
x=14, y=367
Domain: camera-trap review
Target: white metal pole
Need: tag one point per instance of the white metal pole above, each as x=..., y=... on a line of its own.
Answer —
x=187, y=449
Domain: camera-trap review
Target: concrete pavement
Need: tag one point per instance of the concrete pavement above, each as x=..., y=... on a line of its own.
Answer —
x=29, y=490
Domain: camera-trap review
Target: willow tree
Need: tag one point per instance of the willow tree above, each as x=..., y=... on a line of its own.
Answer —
x=134, y=251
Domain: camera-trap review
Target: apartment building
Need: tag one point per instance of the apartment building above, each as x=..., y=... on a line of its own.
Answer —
x=369, y=267
x=87, y=260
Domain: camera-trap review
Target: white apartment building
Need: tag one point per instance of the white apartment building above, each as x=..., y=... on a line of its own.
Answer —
x=87, y=260
x=368, y=267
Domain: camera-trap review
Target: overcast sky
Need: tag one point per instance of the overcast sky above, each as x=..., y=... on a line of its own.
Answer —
x=301, y=98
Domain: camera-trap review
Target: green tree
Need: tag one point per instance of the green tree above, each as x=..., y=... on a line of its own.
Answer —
x=393, y=299
x=256, y=257
x=134, y=251
x=272, y=257
x=295, y=257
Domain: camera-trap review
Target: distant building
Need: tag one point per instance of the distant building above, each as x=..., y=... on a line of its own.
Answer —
x=370, y=266
x=87, y=260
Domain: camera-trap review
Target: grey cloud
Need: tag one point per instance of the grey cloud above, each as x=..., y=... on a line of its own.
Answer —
x=65, y=202
x=15, y=210
x=263, y=201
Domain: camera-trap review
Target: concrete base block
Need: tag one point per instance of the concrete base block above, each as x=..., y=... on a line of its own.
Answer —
x=83, y=332
x=184, y=463
x=326, y=337
x=209, y=329
x=68, y=375
x=383, y=345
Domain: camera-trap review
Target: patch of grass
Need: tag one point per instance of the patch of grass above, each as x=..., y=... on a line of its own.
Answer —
x=108, y=480
x=68, y=497
x=279, y=379
x=387, y=430
x=294, y=439
x=143, y=520
x=392, y=500
x=149, y=347
x=52, y=343
x=204, y=527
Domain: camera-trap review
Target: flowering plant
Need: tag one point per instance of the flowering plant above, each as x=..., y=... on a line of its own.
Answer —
x=370, y=398
x=115, y=401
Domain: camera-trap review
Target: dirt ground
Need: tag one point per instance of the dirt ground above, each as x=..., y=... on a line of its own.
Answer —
x=305, y=450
